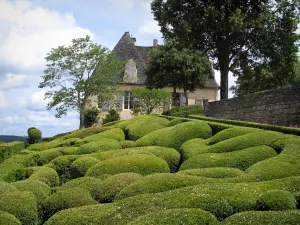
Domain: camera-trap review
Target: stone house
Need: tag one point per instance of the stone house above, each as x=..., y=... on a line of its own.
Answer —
x=137, y=58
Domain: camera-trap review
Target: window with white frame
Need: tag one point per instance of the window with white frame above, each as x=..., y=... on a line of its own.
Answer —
x=128, y=100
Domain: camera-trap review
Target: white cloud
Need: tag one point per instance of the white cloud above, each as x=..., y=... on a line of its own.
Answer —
x=33, y=31
x=37, y=100
x=15, y=81
x=149, y=27
x=2, y=100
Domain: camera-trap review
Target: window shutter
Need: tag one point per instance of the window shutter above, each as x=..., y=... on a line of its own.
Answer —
x=105, y=105
x=119, y=105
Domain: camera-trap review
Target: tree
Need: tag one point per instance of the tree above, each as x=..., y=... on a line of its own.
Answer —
x=178, y=67
x=76, y=72
x=149, y=100
x=226, y=30
x=90, y=116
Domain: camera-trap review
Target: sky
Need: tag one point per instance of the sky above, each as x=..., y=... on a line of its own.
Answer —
x=28, y=31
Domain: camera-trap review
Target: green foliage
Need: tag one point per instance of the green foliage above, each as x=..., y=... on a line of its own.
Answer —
x=88, y=68
x=46, y=156
x=127, y=144
x=177, y=217
x=87, y=183
x=192, y=147
x=8, y=219
x=68, y=150
x=214, y=172
x=71, y=142
x=81, y=165
x=176, y=121
x=90, y=116
x=8, y=149
x=45, y=174
x=34, y=135
x=112, y=116
x=276, y=200
x=115, y=133
x=184, y=111
x=22, y=205
x=141, y=163
x=175, y=136
x=286, y=217
x=107, y=190
x=9, y=172
x=5, y=187
x=103, y=144
x=65, y=199
x=149, y=100
x=241, y=159
x=82, y=133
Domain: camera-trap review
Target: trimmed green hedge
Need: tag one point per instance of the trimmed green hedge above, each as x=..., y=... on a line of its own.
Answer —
x=22, y=205
x=176, y=121
x=4, y=187
x=184, y=111
x=192, y=147
x=87, y=183
x=8, y=219
x=9, y=172
x=8, y=149
x=214, y=172
x=107, y=190
x=177, y=217
x=68, y=150
x=71, y=142
x=241, y=159
x=286, y=130
x=103, y=144
x=276, y=200
x=175, y=136
x=81, y=165
x=45, y=156
x=85, y=132
x=65, y=199
x=45, y=174
x=287, y=217
x=115, y=133
x=127, y=144
x=142, y=164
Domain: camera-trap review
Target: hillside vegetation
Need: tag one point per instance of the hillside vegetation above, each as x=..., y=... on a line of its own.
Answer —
x=150, y=170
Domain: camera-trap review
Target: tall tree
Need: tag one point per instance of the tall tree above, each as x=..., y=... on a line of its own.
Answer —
x=223, y=29
x=76, y=72
x=172, y=65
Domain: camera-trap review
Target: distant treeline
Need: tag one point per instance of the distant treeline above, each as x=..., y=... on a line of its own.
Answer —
x=10, y=138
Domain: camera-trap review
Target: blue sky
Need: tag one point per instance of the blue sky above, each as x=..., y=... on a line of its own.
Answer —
x=29, y=29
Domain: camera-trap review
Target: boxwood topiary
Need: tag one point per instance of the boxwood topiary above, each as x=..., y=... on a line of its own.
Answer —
x=45, y=174
x=103, y=144
x=176, y=217
x=241, y=159
x=4, y=187
x=9, y=172
x=176, y=121
x=64, y=199
x=34, y=135
x=127, y=144
x=87, y=183
x=106, y=191
x=115, y=133
x=192, y=147
x=71, y=142
x=142, y=164
x=22, y=205
x=8, y=219
x=81, y=165
x=85, y=132
x=214, y=172
x=276, y=200
x=43, y=157
x=68, y=150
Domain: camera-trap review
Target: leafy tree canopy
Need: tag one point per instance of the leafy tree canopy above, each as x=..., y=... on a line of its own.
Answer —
x=78, y=71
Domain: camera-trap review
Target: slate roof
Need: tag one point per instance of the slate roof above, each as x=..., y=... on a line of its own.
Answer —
x=126, y=49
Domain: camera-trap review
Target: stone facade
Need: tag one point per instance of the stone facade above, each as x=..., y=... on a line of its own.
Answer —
x=278, y=107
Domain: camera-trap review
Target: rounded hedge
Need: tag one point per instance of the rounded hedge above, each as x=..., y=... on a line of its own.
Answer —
x=5, y=187
x=106, y=191
x=34, y=135
x=81, y=165
x=286, y=217
x=71, y=142
x=115, y=133
x=45, y=156
x=192, y=147
x=64, y=199
x=8, y=219
x=68, y=150
x=45, y=174
x=175, y=136
x=276, y=200
x=177, y=217
x=9, y=172
x=22, y=205
x=241, y=159
x=214, y=172
x=176, y=121
x=127, y=144
x=101, y=145
x=85, y=132
x=142, y=164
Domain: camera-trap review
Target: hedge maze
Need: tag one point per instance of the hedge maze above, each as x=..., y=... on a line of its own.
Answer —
x=153, y=170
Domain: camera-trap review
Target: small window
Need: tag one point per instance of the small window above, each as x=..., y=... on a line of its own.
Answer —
x=128, y=100
x=198, y=102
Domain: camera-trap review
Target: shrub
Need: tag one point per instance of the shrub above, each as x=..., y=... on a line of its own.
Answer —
x=112, y=116
x=8, y=149
x=175, y=136
x=9, y=172
x=241, y=159
x=176, y=121
x=65, y=199
x=71, y=142
x=85, y=132
x=34, y=135
x=176, y=217
x=115, y=133
x=276, y=200
x=68, y=150
x=8, y=219
x=286, y=217
x=90, y=116
x=4, y=187
x=22, y=205
x=127, y=144
x=45, y=174
x=142, y=164
x=46, y=156
x=36, y=187
x=192, y=147
x=24, y=160
x=230, y=133
x=107, y=190
x=87, y=183
x=215, y=172
x=184, y=111
x=38, y=146
x=103, y=144
x=81, y=165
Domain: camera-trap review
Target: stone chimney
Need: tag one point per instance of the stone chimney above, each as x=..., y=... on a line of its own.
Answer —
x=155, y=43
x=133, y=40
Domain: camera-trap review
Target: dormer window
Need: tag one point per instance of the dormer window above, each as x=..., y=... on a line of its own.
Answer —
x=130, y=75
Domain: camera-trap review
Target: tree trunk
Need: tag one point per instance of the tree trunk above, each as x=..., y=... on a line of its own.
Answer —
x=224, y=70
x=81, y=119
x=174, y=97
x=186, y=97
